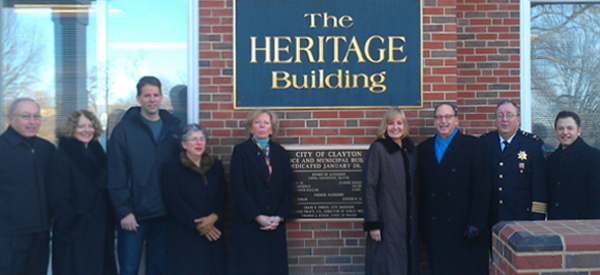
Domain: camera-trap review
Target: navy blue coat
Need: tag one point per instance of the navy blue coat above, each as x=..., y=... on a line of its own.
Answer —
x=574, y=182
x=190, y=195
x=84, y=227
x=134, y=161
x=519, y=177
x=251, y=250
x=453, y=195
x=23, y=203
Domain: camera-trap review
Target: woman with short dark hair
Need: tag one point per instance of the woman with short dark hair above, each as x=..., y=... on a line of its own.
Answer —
x=195, y=192
x=84, y=225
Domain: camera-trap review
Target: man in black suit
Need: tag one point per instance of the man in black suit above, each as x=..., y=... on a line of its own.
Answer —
x=574, y=173
x=454, y=198
x=519, y=171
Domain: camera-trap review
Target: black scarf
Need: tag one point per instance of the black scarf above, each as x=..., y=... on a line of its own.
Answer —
x=391, y=146
x=91, y=160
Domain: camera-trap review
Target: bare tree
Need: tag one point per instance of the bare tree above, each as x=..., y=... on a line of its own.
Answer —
x=22, y=58
x=565, y=71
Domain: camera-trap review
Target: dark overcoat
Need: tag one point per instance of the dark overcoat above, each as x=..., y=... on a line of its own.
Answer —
x=389, y=204
x=23, y=204
x=519, y=177
x=453, y=195
x=84, y=226
x=192, y=194
x=251, y=250
x=574, y=182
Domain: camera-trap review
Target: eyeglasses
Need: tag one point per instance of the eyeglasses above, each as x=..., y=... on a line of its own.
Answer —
x=28, y=116
x=507, y=116
x=447, y=117
x=197, y=139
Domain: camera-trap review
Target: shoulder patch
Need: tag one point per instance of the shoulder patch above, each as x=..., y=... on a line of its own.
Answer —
x=531, y=136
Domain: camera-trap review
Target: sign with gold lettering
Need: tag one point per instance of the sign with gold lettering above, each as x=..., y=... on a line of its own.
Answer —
x=327, y=181
x=300, y=54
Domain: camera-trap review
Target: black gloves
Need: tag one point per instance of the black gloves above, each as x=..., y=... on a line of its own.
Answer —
x=471, y=234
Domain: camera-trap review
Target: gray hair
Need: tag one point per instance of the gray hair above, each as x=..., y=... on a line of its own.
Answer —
x=191, y=128
x=13, y=105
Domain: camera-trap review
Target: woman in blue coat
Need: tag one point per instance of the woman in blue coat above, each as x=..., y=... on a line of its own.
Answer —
x=261, y=188
x=84, y=226
x=195, y=192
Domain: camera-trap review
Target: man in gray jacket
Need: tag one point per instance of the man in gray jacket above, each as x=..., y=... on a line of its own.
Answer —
x=146, y=137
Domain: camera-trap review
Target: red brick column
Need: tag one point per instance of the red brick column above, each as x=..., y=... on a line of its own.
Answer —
x=547, y=247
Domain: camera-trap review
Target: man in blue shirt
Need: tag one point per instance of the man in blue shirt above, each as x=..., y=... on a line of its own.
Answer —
x=454, y=193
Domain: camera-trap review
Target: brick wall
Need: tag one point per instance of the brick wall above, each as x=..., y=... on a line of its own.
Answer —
x=547, y=247
x=470, y=55
x=487, y=60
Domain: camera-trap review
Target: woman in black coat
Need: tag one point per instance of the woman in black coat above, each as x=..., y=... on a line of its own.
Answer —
x=84, y=226
x=574, y=173
x=195, y=191
x=389, y=199
x=261, y=188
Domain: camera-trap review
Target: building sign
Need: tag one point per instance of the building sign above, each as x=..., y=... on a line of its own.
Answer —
x=297, y=54
x=327, y=182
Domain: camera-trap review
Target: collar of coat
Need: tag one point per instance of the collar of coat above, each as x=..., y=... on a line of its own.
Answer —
x=91, y=160
x=169, y=120
x=14, y=138
x=391, y=146
x=206, y=162
x=576, y=146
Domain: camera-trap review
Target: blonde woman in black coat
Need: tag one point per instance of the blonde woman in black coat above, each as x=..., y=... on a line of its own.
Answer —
x=261, y=188
x=389, y=180
x=83, y=231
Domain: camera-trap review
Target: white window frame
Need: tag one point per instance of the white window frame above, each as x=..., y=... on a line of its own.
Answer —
x=525, y=52
x=193, y=94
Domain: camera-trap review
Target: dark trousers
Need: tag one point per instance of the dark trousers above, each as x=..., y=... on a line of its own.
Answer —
x=131, y=244
x=24, y=253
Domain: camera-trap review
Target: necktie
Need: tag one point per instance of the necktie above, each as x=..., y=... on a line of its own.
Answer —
x=505, y=145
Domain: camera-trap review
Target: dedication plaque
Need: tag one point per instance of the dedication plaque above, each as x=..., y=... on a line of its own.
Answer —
x=327, y=181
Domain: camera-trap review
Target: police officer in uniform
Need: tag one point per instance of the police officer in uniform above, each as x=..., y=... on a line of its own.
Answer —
x=519, y=169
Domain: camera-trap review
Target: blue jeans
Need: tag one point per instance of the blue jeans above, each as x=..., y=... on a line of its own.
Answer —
x=131, y=243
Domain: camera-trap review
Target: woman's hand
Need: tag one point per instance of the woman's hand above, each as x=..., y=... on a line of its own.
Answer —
x=265, y=222
x=213, y=235
x=375, y=235
x=268, y=222
x=205, y=224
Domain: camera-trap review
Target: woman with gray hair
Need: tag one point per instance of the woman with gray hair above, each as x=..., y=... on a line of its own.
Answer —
x=195, y=192
x=84, y=223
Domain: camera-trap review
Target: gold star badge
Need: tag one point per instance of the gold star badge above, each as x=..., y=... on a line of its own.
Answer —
x=522, y=155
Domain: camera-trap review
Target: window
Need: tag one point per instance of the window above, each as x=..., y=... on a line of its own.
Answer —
x=90, y=56
x=563, y=44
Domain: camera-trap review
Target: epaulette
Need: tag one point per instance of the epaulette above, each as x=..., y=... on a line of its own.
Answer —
x=487, y=134
x=531, y=135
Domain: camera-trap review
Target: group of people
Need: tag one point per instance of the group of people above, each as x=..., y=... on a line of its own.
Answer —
x=156, y=185
x=452, y=188
x=163, y=192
